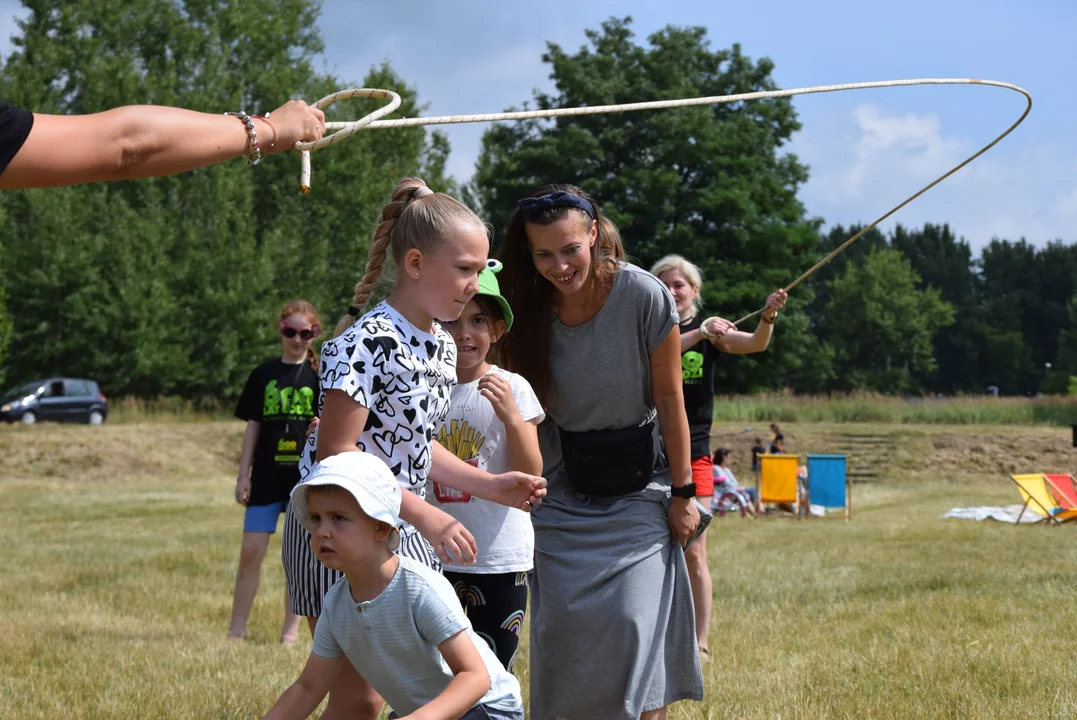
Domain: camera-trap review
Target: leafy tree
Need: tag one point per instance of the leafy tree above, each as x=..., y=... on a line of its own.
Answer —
x=706, y=182
x=170, y=285
x=886, y=324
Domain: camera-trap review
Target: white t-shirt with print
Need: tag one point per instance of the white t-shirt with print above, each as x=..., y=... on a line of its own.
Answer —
x=473, y=432
x=404, y=376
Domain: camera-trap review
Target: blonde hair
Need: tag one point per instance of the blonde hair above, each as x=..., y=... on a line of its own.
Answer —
x=415, y=217
x=304, y=308
x=688, y=269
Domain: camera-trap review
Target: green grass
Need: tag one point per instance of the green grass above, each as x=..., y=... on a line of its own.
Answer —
x=869, y=408
x=748, y=409
x=120, y=545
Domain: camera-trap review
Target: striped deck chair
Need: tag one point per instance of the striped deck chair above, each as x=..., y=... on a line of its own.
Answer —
x=1038, y=498
x=1064, y=489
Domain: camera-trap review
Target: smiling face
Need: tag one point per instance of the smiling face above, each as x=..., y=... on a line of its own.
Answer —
x=684, y=293
x=342, y=536
x=448, y=276
x=561, y=251
x=297, y=325
x=473, y=332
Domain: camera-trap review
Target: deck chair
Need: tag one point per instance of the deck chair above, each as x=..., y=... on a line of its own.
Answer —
x=1064, y=489
x=1038, y=498
x=829, y=483
x=777, y=481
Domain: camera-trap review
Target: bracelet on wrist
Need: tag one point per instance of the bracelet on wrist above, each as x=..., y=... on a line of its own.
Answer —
x=254, y=155
x=706, y=333
x=265, y=119
x=772, y=318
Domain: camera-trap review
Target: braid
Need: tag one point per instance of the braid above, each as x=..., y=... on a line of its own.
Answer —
x=407, y=191
x=312, y=358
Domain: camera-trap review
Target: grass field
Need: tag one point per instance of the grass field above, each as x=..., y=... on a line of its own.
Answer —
x=746, y=409
x=119, y=549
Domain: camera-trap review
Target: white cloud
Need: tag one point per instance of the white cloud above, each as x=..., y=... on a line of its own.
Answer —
x=867, y=159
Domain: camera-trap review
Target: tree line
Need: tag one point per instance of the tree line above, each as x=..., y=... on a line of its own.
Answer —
x=170, y=286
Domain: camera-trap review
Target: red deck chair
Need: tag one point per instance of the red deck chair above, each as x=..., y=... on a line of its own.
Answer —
x=1064, y=489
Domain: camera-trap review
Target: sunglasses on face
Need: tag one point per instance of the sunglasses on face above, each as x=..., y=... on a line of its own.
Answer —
x=291, y=332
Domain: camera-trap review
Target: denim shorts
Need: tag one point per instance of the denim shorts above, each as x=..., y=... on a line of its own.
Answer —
x=263, y=518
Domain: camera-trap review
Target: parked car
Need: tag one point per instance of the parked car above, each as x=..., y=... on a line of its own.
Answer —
x=55, y=399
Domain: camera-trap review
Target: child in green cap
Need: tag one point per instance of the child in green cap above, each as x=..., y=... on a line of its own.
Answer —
x=492, y=424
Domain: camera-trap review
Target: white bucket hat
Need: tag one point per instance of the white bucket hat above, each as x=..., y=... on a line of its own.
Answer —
x=367, y=478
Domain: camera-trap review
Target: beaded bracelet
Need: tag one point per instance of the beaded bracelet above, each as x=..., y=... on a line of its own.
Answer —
x=265, y=119
x=255, y=155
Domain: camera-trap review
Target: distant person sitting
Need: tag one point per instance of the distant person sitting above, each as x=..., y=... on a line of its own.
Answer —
x=727, y=491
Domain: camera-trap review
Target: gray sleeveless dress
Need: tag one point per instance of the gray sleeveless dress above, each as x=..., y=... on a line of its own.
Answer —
x=612, y=622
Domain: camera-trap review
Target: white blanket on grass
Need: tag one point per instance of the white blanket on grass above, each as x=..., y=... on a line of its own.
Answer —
x=1007, y=514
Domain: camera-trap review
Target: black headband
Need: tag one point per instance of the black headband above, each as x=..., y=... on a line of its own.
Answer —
x=533, y=206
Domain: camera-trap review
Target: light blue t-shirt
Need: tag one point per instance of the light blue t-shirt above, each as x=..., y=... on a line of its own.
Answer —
x=393, y=639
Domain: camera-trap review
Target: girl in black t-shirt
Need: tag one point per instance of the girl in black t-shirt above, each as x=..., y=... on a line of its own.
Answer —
x=701, y=342
x=278, y=403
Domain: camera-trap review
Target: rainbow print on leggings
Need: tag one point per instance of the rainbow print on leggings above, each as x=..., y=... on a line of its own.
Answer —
x=469, y=594
x=514, y=622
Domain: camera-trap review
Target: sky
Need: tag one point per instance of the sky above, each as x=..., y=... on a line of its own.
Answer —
x=867, y=150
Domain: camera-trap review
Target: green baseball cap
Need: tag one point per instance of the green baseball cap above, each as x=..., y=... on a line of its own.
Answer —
x=488, y=286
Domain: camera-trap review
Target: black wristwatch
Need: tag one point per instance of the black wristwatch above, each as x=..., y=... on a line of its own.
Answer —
x=684, y=491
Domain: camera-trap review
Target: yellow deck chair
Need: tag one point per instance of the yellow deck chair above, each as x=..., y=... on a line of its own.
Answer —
x=777, y=482
x=1038, y=498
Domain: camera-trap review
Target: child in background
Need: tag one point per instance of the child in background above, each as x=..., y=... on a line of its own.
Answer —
x=394, y=619
x=492, y=424
x=757, y=450
x=278, y=401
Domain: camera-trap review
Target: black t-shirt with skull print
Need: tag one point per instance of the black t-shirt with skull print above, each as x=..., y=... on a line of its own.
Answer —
x=405, y=377
x=697, y=371
x=281, y=397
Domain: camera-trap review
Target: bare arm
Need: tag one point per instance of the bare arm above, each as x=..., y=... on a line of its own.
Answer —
x=141, y=141
x=521, y=435
x=246, y=457
x=250, y=441
x=666, y=390
x=471, y=680
x=524, y=453
x=304, y=695
x=342, y=422
x=736, y=342
x=514, y=489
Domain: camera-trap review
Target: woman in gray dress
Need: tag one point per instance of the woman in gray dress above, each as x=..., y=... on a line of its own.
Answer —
x=612, y=627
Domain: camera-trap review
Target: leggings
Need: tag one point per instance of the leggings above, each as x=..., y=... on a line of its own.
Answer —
x=495, y=605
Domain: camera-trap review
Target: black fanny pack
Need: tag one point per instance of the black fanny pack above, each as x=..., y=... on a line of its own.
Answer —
x=606, y=463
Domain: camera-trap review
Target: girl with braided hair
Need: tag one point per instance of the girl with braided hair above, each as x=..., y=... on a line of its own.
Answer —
x=386, y=381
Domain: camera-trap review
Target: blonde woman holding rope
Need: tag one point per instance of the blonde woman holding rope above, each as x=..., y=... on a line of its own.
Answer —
x=701, y=341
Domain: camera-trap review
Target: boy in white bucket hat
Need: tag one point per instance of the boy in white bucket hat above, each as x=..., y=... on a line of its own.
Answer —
x=396, y=620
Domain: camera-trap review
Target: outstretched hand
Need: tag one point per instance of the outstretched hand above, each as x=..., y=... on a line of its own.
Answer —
x=518, y=490
x=294, y=121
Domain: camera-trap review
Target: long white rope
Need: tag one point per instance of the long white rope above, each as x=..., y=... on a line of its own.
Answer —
x=374, y=121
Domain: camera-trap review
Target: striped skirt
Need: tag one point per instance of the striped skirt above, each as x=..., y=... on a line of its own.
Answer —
x=308, y=580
